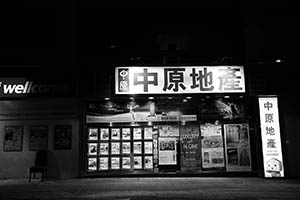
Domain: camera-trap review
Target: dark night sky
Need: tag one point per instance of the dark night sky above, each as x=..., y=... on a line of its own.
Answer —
x=68, y=33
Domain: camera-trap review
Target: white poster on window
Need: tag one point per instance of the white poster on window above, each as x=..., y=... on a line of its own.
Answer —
x=270, y=133
x=167, y=151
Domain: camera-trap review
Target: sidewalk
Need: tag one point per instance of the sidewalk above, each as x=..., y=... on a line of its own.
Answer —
x=203, y=188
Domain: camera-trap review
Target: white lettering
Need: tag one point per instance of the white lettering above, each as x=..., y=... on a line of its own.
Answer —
x=29, y=87
x=19, y=89
x=9, y=89
x=26, y=87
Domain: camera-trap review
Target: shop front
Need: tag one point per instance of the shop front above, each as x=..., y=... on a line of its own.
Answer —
x=38, y=115
x=171, y=120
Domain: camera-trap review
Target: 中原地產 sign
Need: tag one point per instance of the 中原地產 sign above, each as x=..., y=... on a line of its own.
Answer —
x=271, y=139
x=183, y=79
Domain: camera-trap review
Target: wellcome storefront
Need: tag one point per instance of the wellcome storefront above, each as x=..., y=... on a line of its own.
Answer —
x=38, y=114
x=172, y=120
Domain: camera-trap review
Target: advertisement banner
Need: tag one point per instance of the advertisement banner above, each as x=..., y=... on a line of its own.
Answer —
x=270, y=134
x=167, y=151
x=212, y=145
x=183, y=79
x=190, y=147
x=237, y=145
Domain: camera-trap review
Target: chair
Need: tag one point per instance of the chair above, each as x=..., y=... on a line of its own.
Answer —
x=40, y=165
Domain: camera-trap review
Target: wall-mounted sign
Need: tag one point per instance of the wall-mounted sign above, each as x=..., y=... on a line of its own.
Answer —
x=270, y=134
x=22, y=87
x=191, y=79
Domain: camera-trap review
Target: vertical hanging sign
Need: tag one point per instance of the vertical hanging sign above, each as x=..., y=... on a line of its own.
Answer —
x=270, y=133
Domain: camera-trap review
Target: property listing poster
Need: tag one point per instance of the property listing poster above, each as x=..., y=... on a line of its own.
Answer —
x=148, y=162
x=148, y=149
x=237, y=147
x=137, y=133
x=190, y=147
x=137, y=162
x=126, y=163
x=115, y=134
x=92, y=149
x=167, y=151
x=93, y=134
x=270, y=134
x=212, y=145
x=115, y=148
x=92, y=164
x=104, y=147
x=103, y=163
x=104, y=134
x=137, y=147
x=126, y=148
x=115, y=163
x=126, y=133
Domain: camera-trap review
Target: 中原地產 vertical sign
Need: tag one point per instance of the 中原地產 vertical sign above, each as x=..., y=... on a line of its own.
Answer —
x=179, y=79
x=270, y=134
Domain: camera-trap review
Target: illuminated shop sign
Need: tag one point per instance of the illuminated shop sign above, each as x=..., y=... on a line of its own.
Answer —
x=270, y=133
x=20, y=87
x=191, y=79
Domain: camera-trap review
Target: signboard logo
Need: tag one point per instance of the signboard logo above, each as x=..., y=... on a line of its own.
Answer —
x=123, y=77
x=19, y=87
x=183, y=79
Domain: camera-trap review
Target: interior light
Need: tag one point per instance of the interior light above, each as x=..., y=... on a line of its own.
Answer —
x=150, y=97
x=188, y=97
x=107, y=99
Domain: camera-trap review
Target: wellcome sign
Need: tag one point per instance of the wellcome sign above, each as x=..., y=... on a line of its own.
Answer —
x=21, y=87
x=190, y=79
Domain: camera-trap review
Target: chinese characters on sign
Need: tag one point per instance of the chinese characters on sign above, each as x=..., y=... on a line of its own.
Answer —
x=270, y=133
x=164, y=80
